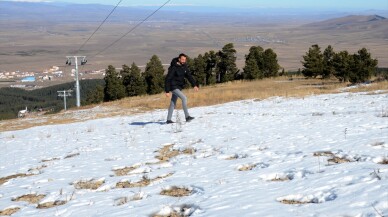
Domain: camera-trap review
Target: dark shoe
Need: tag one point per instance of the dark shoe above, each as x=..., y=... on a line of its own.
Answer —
x=189, y=119
x=169, y=122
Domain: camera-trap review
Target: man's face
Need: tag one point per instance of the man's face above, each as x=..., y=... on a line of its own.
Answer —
x=182, y=60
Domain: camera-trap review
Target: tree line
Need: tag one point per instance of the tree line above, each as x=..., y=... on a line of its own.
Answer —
x=208, y=69
x=354, y=68
x=45, y=99
x=220, y=66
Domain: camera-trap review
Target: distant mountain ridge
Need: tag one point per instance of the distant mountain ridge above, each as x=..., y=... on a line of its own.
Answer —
x=64, y=12
x=350, y=21
x=54, y=12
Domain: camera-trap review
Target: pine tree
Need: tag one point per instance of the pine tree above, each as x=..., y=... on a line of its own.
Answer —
x=198, y=70
x=257, y=53
x=266, y=61
x=270, y=64
x=227, y=65
x=154, y=75
x=251, y=70
x=95, y=96
x=313, y=62
x=190, y=65
x=114, y=88
x=342, y=63
x=363, y=66
x=139, y=85
x=124, y=73
x=134, y=81
x=328, y=67
x=211, y=61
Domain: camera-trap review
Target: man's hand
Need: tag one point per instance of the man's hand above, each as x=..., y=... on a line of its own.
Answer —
x=168, y=94
x=196, y=88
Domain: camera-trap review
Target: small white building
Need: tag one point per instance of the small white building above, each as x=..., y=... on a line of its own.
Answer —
x=46, y=78
x=57, y=72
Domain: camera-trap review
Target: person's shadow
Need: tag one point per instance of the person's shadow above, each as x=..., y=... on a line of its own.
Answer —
x=141, y=123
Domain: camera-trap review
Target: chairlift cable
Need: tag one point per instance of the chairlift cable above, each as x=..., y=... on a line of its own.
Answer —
x=102, y=23
x=133, y=28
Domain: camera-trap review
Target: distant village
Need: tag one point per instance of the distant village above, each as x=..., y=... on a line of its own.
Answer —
x=21, y=79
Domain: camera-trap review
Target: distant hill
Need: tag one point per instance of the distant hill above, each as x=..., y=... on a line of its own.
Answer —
x=54, y=12
x=67, y=12
x=352, y=22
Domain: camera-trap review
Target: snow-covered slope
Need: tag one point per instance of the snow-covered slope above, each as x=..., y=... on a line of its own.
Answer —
x=318, y=156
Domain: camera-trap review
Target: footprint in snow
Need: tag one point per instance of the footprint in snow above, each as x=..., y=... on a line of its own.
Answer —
x=285, y=176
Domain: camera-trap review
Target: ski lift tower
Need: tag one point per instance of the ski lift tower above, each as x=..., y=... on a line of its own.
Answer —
x=64, y=94
x=83, y=62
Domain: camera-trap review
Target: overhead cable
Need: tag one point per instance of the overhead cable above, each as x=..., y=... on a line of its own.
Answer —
x=133, y=28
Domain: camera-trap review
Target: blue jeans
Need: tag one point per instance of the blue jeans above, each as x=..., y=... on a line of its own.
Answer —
x=175, y=94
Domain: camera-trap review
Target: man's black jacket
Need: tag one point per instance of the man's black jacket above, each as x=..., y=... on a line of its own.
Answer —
x=176, y=75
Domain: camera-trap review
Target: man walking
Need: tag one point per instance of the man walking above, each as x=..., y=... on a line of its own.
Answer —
x=174, y=82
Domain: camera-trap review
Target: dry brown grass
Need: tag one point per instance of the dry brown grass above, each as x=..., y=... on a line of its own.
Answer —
x=234, y=157
x=323, y=153
x=38, y=168
x=124, y=171
x=162, y=177
x=145, y=181
x=209, y=95
x=332, y=157
x=338, y=160
x=239, y=90
x=373, y=87
x=92, y=184
x=189, y=151
x=384, y=161
x=168, y=152
x=142, y=183
x=72, y=155
x=30, y=198
x=48, y=205
x=176, y=192
x=247, y=167
x=9, y=212
x=292, y=202
x=19, y=175
x=49, y=160
x=281, y=179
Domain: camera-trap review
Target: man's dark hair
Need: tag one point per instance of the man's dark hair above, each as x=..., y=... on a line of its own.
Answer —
x=182, y=55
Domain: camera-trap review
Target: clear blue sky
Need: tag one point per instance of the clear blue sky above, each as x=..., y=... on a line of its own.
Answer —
x=323, y=4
